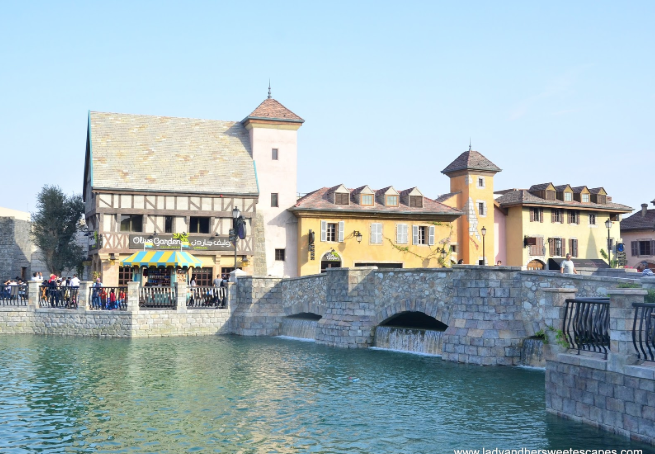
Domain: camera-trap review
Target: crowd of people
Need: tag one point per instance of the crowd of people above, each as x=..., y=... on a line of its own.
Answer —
x=13, y=288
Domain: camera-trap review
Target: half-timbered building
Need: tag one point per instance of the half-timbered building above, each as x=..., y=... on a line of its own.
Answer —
x=166, y=183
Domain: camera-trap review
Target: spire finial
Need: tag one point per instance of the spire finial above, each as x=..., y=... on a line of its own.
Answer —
x=469, y=144
x=269, y=88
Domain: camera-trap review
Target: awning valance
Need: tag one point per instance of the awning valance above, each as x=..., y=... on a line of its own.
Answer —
x=162, y=259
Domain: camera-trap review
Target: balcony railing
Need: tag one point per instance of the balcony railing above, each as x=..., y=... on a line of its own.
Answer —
x=13, y=295
x=158, y=298
x=586, y=324
x=643, y=331
x=58, y=297
x=108, y=298
x=206, y=297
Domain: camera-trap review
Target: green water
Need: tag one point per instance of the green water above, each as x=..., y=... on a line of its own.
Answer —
x=251, y=395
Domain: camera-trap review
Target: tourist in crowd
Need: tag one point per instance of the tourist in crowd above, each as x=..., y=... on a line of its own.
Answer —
x=644, y=270
x=193, y=281
x=95, y=294
x=460, y=262
x=567, y=266
x=218, y=281
x=499, y=263
x=121, y=298
x=112, y=301
x=75, y=282
x=35, y=277
x=40, y=276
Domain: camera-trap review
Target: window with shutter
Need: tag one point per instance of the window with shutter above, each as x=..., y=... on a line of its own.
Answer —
x=415, y=234
x=341, y=229
x=376, y=233
x=551, y=247
x=634, y=246
x=401, y=233
x=541, y=215
x=532, y=214
x=562, y=243
x=323, y=230
x=431, y=236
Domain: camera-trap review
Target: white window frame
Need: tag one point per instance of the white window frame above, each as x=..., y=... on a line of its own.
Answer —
x=415, y=235
x=401, y=234
x=431, y=235
x=341, y=228
x=376, y=233
x=568, y=197
x=481, y=180
x=587, y=196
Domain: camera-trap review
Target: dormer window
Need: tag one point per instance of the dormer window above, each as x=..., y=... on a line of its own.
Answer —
x=585, y=198
x=550, y=195
x=366, y=200
x=341, y=199
x=568, y=196
x=392, y=201
x=415, y=201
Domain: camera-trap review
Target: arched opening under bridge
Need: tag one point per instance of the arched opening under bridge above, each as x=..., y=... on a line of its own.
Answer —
x=412, y=332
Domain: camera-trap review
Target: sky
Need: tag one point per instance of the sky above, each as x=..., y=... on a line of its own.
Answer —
x=391, y=92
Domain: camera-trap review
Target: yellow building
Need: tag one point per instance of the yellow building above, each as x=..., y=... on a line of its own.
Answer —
x=340, y=227
x=472, y=191
x=547, y=222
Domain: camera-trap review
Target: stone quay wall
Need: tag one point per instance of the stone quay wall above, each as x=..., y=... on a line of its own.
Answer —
x=134, y=322
x=615, y=393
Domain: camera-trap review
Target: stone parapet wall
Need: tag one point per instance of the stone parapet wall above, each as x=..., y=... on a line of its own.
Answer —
x=583, y=389
x=305, y=294
x=258, y=310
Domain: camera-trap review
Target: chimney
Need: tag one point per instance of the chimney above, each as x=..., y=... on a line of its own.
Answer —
x=644, y=209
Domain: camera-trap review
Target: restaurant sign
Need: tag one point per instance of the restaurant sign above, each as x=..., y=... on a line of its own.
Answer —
x=168, y=243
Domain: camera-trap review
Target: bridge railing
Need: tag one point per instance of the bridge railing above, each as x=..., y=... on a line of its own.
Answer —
x=108, y=298
x=58, y=297
x=206, y=297
x=643, y=331
x=158, y=298
x=586, y=324
x=13, y=295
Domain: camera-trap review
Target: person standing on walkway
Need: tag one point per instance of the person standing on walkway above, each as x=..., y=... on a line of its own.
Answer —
x=95, y=295
x=567, y=266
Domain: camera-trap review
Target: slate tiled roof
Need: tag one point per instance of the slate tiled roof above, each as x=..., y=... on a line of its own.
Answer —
x=168, y=154
x=471, y=160
x=540, y=187
x=561, y=187
x=639, y=222
x=524, y=197
x=271, y=109
x=318, y=201
x=596, y=190
x=578, y=189
x=443, y=197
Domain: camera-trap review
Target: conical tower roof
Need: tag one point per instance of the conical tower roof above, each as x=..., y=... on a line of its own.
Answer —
x=471, y=160
x=271, y=109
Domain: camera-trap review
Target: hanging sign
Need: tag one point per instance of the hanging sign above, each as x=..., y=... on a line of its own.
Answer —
x=331, y=256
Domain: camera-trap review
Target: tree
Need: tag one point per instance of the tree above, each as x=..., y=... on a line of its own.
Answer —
x=54, y=225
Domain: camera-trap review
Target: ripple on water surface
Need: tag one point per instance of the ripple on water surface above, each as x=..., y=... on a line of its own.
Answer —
x=232, y=394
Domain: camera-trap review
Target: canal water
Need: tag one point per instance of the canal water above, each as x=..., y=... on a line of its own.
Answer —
x=265, y=395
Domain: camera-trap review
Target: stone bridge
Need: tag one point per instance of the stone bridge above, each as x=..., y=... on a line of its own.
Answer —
x=488, y=310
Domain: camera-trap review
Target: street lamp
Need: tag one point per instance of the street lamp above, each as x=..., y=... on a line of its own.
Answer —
x=608, y=224
x=234, y=236
x=358, y=236
x=484, y=255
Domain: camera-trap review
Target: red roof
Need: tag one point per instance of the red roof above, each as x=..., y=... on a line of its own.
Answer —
x=271, y=109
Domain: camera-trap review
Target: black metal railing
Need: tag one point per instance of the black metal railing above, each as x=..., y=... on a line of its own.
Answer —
x=13, y=295
x=587, y=323
x=158, y=298
x=58, y=297
x=108, y=298
x=206, y=297
x=643, y=331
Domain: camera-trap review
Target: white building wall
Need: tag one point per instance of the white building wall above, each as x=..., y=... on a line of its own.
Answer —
x=277, y=176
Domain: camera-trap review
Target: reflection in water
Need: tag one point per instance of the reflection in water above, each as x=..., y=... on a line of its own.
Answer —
x=251, y=395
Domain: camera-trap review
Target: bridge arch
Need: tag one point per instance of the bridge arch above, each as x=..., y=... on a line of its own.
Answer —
x=437, y=311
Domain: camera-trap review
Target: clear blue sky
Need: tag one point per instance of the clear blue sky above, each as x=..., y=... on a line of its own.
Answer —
x=391, y=92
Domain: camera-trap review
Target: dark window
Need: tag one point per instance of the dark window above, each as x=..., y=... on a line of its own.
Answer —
x=453, y=248
x=342, y=199
x=557, y=215
x=550, y=195
x=203, y=277
x=274, y=201
x=125, y=275
x=592, y=219
x=422, y=234
x=279, y=254
x=168, y=224
x=331, y=232
x=416, y=201
x=198, y=225
x=574, y=217
x=573, y=247
x=131, y=223
x=614, y=217
x=556, y=247
x=536, y=215
x=275, y=152
x=482, y=209
x=644, y=248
